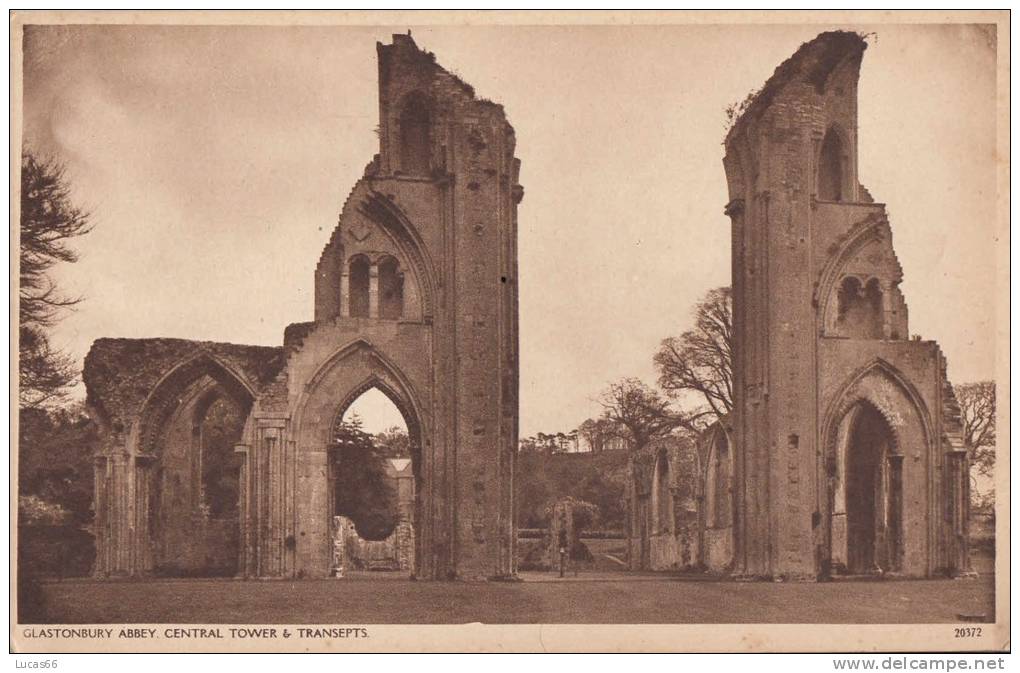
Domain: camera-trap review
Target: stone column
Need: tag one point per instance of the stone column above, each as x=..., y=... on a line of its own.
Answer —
x=195, y=460
x=102, y=526
x=887, y=326
x=268, y=494
x=373, y=291
x=345, y=291
x=880, y=556
x=244, y=512
x=120, y=516
x=143, y=475
x=958, y=547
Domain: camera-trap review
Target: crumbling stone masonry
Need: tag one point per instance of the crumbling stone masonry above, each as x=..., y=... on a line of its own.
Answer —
x=416, y=295
x=847, y=452
x=680, y=499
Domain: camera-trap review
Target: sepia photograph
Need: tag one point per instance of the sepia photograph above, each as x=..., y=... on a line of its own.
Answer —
x=561, y=331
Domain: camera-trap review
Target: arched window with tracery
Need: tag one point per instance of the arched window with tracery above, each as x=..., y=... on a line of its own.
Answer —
x=359, y=282
x=859, y=309
x=391, y=289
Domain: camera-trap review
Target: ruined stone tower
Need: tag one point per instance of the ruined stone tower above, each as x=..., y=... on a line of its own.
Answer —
x=847, y=451
x=415, y=295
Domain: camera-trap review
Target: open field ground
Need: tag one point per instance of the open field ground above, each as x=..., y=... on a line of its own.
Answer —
x=593, y=597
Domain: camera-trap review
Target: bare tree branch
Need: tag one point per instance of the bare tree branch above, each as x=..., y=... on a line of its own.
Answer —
x=977, y=409
x=700, y=360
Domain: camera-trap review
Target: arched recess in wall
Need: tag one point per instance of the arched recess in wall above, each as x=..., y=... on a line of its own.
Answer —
x=719, y=486
x=187, y=485
x=662, y=496
x=876, y=406
x=359, y=269
x=391, y=288
x=415, y=135
x=873, y=229
x=413, y=252
x=870, y=493
x=832, y=168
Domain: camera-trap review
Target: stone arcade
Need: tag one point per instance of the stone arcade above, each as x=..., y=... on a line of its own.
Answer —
x=415, y=295
x=843, y=454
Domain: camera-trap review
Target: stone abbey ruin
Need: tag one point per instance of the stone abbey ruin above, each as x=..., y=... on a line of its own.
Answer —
x=843, y=452
x=415, y=295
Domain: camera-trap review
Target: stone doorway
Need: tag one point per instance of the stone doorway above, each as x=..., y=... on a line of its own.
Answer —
x=872, y=496
x=373, y=487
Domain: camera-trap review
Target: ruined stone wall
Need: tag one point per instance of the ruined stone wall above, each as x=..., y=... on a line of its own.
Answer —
x=416, y=295
x=665, y=528
x=474, y=179
x=438, y=204
x=816, y=300
x=144, y=395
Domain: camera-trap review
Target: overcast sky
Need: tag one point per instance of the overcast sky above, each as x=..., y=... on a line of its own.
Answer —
x=215, y=161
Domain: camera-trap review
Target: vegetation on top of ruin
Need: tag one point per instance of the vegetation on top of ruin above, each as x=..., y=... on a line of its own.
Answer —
x=735, y=110
x=814, y=60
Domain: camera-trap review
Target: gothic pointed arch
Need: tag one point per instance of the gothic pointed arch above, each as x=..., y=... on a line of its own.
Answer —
x=406, y=236
x=399, y=399
x=392, y=381
x=850, y=393
x=336, y=383
x=874, y=227
x=165, y=397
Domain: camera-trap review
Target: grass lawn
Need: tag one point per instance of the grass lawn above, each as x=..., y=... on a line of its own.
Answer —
x=599, y=597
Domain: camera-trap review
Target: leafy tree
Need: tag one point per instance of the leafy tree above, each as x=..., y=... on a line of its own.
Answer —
x=49, y=221
x=45, y=374
x=534, y=491
x=700, y=360
x=607, y=491
x=55, y=459
x=596, y=432
x=362, y=490
x=221, y=430
x=527, y=444
x=393, y=442
x=562, y=442
x=546, y=443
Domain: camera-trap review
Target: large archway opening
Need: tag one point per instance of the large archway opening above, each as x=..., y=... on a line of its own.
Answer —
x=869, y=495
x=189, y=473
x=374, y=485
